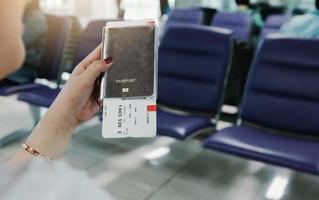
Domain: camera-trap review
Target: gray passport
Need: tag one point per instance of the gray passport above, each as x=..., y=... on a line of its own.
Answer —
x=132, y=72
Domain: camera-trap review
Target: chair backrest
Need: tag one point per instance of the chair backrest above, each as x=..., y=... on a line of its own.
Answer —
x=185, y=16
x=193, y=63
x=58, y=30
x=239, y=23
x=266, y=11
x=71, y=44
x=273, y=24
x=282, y=91
x=90, y=38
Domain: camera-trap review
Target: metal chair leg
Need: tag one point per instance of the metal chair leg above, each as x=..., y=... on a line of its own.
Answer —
x=19, y=134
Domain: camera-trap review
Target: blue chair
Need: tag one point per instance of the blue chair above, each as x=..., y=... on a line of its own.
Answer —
x=184, y=16
x=192, y=69
x=239, y=23
x=273, y=23
x=10, y=90
x=89, y=39
x=39, y=97
x=280, y=108
x=51, y=61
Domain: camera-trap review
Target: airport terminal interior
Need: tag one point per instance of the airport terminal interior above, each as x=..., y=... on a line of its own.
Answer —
x=237, y=101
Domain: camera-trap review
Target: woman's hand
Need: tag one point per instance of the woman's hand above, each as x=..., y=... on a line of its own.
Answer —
x=77, y=102
x=80, y=95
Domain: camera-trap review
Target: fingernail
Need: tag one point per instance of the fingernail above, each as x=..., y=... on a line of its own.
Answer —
x=151, y=22
x=108, y=60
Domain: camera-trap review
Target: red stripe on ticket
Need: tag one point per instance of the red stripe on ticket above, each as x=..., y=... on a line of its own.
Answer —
x=151, y=108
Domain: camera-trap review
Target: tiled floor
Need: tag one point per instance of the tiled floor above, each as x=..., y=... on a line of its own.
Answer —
x=162, y=168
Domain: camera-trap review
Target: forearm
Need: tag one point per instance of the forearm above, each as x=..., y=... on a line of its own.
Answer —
x=75, y=104
x=51, y=135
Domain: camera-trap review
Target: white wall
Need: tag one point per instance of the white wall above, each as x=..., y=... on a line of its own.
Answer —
x=85, y=10
x=141, y=9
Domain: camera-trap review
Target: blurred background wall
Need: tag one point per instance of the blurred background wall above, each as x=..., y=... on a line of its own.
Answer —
x=86, y=10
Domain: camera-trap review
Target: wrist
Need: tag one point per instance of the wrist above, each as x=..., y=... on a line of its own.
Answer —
x=64, y=118
x=53, y=132
x=65, y=107
x=61, y=113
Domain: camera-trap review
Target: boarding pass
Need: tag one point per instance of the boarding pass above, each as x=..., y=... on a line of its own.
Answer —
x=129, y=118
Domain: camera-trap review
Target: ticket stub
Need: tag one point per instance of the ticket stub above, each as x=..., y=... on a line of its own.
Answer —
x=129, y=118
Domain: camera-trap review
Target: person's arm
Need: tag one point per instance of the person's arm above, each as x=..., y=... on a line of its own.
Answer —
x=77, y=102
x=12, y=50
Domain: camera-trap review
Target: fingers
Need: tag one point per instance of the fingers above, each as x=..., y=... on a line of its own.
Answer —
x=94, y=70
x=94, y=55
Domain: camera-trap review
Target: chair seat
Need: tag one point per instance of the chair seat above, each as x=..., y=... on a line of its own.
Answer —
x=296, y=153
x=10, y=90
x=43, y=96
x=180, y=126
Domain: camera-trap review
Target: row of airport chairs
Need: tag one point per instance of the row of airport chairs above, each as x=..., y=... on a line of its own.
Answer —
x=239, y=23
x=279, y=110
x=280, y=106
x=242, y=27
x=278, y=120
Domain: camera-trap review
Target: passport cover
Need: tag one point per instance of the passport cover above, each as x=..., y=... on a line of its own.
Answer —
x=132, y=72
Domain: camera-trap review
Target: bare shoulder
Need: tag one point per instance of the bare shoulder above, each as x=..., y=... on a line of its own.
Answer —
x=9, y=5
